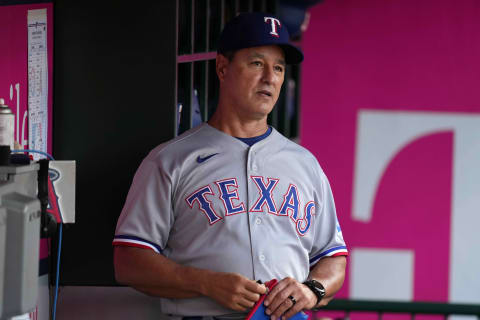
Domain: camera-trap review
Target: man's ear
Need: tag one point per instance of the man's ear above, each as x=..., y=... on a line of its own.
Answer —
x=221, y=66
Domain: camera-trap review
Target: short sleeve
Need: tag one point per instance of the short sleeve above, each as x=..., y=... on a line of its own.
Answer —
x=328, y=234
x=147, y=215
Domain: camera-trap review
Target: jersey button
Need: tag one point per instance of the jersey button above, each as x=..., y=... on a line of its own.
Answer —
x=254, y=168
x=258, y=221
x=261, y=257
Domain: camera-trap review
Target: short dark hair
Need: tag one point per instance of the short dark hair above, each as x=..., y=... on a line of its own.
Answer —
x=230, y=54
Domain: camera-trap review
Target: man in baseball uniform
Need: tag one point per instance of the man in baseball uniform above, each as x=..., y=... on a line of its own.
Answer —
x=232, y=202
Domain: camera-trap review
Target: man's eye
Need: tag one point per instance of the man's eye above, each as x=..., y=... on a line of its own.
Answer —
x=279, y=68
x=257, y=63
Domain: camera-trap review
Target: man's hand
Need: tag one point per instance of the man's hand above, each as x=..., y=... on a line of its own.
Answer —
x=329, y=271
x=156, y=275
x=233, y=290
x=278, y=302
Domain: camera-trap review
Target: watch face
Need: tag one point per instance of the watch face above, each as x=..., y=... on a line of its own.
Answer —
x=319, y=287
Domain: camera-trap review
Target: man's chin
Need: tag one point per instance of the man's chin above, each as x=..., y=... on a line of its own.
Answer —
x=265, y=107
x=258, y=116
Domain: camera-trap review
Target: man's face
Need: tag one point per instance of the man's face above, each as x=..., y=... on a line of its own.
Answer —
x=251, y=81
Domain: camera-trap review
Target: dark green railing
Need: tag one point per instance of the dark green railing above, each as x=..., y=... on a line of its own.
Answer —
x=412, y=308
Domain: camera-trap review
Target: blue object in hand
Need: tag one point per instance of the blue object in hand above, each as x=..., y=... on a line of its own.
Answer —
x=258, y=310
x=260, y=314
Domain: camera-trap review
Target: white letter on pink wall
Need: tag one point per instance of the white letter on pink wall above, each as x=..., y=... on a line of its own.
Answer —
x=381, y=135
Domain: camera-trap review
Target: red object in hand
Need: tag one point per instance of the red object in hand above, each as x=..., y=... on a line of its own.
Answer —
x=258, y=310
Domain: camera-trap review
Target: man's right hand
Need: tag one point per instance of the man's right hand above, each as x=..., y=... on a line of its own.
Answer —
x=232, y=290
x=156, y=275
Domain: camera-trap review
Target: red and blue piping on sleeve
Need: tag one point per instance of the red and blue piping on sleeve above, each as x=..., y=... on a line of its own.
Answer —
x=132, y=241
x=332, y=252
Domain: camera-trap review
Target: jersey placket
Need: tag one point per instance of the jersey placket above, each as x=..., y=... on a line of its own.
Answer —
x=260, y=259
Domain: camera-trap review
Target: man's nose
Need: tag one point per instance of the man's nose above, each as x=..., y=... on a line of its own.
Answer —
x=268, y=75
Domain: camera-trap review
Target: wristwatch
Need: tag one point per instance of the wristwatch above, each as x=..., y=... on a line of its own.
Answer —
x=317, y=288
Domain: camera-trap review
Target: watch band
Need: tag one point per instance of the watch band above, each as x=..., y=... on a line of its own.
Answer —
x=317, y=288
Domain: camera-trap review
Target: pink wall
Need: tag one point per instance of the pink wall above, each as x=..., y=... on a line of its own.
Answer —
x=399, y=55
x=14, y=61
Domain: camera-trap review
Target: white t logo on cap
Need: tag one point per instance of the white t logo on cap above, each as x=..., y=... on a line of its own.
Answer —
x=273, y=22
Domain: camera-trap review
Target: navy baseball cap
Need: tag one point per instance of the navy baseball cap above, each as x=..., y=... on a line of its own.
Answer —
x=257, y=29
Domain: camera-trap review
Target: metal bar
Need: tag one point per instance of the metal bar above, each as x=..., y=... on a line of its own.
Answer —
x=207, y=25
x=380, y=315
x=200, y=27
x=185, y=72
x=213, y=86
x=191, y=94
x=217, y=20
x=201, y=85
x=404, y=307
x=175, y=106
x=192, y=27
x=196, y=57
x=205, y=92
x=222, y=14
x=185, y=19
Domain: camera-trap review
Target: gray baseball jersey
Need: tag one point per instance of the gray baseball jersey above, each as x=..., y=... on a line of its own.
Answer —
x=208, y=200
